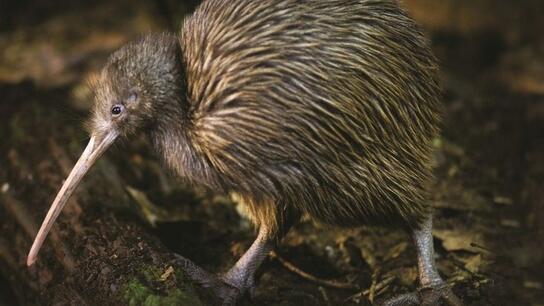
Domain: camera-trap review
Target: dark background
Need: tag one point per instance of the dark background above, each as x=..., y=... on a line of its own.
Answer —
x=489, y=194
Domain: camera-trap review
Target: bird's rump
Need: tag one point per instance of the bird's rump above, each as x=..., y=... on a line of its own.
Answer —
x=302, y=101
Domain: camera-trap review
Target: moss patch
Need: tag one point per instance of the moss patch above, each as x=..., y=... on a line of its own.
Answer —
x=137, y=293
x=152, y=290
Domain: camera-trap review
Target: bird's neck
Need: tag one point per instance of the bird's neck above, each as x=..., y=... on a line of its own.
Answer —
x=173, y=140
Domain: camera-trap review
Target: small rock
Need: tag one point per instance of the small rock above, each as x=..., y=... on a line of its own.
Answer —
x=5, y=188
x=503, y=200
x=106, y=270
x=330, y=251
x=532, y=285
x=510, y=223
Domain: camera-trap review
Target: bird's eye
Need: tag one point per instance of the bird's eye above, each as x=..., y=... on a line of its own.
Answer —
x=117, y=109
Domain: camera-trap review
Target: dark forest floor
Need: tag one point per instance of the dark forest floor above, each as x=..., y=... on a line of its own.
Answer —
x=489, y=192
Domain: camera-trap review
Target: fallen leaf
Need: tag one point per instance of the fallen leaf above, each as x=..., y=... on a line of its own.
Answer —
x=167, y=273
x=474, y=263
x=456, y=240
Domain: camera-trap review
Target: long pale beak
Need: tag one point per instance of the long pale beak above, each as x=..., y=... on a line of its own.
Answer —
x=96, y=147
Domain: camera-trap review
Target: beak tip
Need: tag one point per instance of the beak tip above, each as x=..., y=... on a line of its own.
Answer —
x=88, y=157
x=31, y=258
x=30, y=261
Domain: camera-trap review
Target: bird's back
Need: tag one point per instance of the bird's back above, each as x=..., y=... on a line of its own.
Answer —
x=328, y=105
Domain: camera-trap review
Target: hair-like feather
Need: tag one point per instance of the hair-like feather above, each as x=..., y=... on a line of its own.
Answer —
x=302, y=106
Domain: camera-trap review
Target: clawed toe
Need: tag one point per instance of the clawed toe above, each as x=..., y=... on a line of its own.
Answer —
x=427, y=296
x=433, y=295
x=225, y=293
x=244, y=286
x=227, y=289
x=403, y=300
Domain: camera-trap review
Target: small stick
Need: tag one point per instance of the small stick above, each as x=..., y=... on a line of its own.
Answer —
x=324, y=294
x=328, y=283
x=379, y=288
x=373, y=287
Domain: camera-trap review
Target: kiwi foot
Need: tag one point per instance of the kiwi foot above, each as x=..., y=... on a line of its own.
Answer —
x=426, y=296
x=224, y=293
x=225, y=290
x=433, y=288
x=244, y=286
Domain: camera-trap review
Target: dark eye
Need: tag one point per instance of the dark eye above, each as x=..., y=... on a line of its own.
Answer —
x=117, y=109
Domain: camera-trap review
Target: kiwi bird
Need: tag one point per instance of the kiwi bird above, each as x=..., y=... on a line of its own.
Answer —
x=295, y=107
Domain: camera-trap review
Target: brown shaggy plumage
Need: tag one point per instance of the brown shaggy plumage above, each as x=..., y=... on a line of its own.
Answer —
x=326, y=108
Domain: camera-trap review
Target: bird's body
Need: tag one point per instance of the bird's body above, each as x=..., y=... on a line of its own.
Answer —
x=325, y=108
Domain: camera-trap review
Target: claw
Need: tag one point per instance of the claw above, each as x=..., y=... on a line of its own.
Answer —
x=432, y=295
x=426, y=296
x=227, y=291
x=403, y=300
x=247, y=287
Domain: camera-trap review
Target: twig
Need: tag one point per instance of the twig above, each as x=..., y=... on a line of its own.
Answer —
x=324, y=295
x=368, y=256
x=384, y=285
x=460, y=265
x=488, y=250
x=373, y=287
x=379, y=288
x=328, y=283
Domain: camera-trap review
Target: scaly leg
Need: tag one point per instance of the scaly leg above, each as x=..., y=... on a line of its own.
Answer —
x=240, y=279
x=433, y=287
x=242, y=274
x=217, y=287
